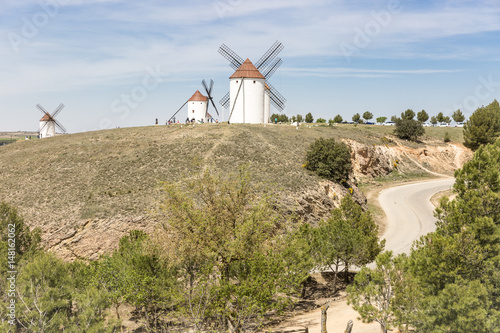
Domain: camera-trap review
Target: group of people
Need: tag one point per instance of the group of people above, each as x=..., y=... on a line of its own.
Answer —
x=188, y=121
x=192, y=121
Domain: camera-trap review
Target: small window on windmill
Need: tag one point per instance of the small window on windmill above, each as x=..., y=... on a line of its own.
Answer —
x=193, y=111
x=254, y=82
x=236, y=82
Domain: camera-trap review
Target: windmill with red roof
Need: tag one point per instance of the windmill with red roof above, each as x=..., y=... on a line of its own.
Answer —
x=251, y=94
x=48, y=123
x=198, y=105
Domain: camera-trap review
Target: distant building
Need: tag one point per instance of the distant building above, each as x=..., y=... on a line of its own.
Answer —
x=47, y=126
x=197, y=107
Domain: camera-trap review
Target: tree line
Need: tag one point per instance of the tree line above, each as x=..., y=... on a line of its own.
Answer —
x=422, y=117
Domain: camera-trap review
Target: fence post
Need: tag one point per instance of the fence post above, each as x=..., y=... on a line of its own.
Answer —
x=323, y=317
x=349, y=327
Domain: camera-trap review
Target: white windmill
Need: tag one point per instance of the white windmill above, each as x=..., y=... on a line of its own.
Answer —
x=198, y=105
x=247, y=86
x=48, y=122
x=250, y=93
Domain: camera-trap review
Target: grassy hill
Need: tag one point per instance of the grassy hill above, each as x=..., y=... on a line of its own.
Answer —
x=71, y=179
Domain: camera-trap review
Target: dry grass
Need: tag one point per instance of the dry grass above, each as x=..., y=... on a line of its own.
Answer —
x=117, y=172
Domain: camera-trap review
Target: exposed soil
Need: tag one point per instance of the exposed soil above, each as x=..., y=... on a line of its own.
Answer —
x=307, y=312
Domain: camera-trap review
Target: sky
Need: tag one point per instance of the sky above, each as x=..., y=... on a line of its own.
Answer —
x=121, y=63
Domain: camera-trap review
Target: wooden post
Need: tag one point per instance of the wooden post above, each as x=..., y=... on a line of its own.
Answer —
x=324, y=308
x=349, y=327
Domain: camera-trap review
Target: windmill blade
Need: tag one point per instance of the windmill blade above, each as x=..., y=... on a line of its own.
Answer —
x=235, y=61
x=272, y=68
x=204, y=84
x=225, y=100
x=211, y=86
x=59, y=108
x=209, y=93
x=212, y=101
x=42, y=109
x=276, y=101
x=276, y=98
x=178, y=110
x=277, y=106
x=269, y=56
x=61, y=127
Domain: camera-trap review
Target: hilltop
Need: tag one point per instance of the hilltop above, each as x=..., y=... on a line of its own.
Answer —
x=86, y=190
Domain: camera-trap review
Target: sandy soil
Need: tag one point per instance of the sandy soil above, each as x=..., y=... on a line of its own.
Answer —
x=338, y=314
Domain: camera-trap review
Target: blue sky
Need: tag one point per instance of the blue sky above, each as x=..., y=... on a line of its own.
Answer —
x=124, y=63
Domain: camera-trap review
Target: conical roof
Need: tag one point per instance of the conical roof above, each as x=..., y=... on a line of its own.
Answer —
x=247, y=70
x=47, y=117
x=198, y=97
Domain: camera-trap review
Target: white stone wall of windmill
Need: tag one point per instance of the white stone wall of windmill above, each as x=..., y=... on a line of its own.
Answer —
x=267, y=104
x=250, y=95
x=246, y=89
x=197, y=107
x=48, y=123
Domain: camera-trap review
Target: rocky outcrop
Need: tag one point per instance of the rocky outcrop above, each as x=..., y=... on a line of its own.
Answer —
x=314, y=205
x=372, y=161
x=380, y=160
x=90, y=239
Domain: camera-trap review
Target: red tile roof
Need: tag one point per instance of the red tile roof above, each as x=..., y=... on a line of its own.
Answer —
x=247, y=70
x=47, y=117
x=198, y=97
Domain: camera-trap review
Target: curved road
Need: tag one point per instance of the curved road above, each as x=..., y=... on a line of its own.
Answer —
x=409, y=212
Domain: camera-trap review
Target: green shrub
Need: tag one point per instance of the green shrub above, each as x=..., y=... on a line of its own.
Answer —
x=309, y=118
x=447, y=137
x=329, y=159
x=483, y=126
x=408, y=128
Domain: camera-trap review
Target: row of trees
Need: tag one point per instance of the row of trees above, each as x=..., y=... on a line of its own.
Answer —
x=450, y=281
x=408, y=128
x=283, y=118
x=422, y=117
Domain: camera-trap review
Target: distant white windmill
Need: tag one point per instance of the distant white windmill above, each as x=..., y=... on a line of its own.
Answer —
x=198, y=105
x=48, y=122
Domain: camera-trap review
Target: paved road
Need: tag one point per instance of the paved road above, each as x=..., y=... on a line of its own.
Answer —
x=409, y=212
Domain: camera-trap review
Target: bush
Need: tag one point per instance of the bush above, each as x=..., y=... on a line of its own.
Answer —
x=329, y=159
x=447, y=137
x=408, y=128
